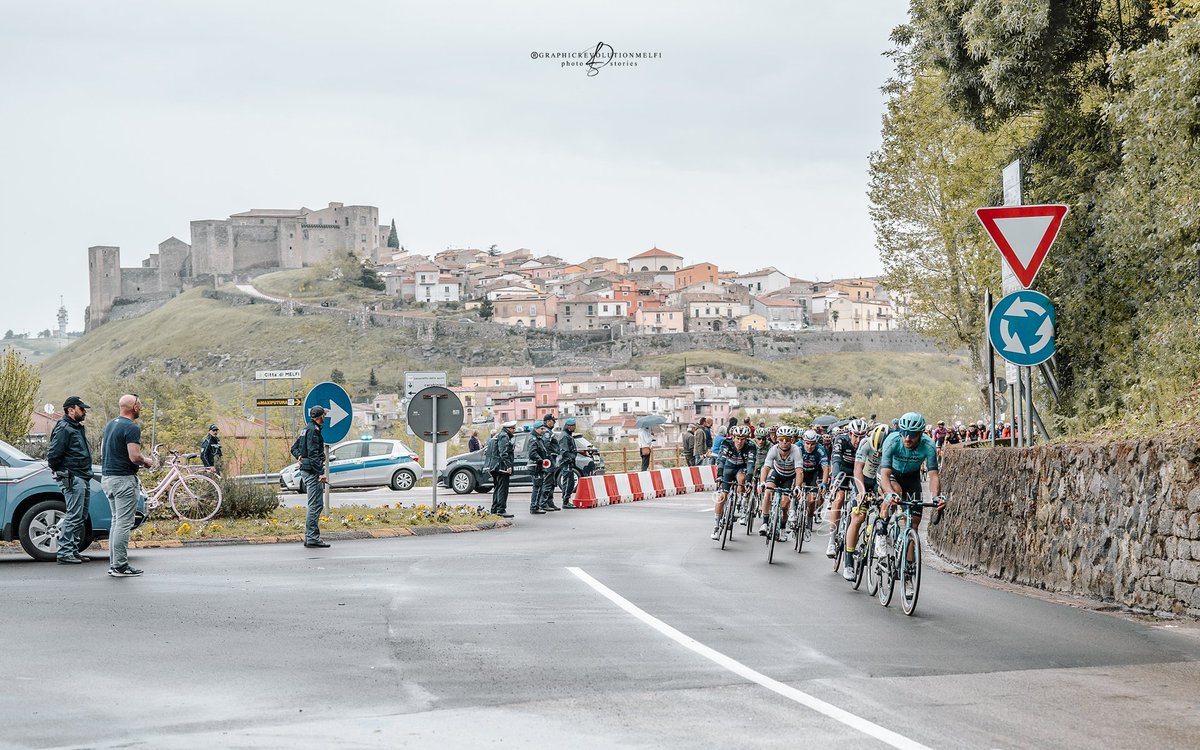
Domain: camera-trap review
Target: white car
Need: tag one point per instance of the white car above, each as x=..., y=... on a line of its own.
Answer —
x=366, y=462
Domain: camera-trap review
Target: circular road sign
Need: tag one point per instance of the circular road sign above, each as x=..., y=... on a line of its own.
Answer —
x=338, y=411
x=1022, y=328
x=449, y=413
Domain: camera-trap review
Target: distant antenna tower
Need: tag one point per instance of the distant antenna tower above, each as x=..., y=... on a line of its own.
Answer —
x=62, y=318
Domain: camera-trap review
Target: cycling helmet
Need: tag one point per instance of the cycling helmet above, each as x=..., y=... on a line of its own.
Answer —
x=787, y=431
x=740, y=430
x=761, y=433
x=810, y=436
x=912, y=422
x=858, y=427
x=878, y=435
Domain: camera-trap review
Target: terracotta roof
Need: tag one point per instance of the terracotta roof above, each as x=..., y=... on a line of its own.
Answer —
x=655, y=252
x=279, y=213
x=426, y=268
x=777, y=302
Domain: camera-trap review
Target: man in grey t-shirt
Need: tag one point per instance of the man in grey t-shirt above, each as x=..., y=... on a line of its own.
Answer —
x=121, y=449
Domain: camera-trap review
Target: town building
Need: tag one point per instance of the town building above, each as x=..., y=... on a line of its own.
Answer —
x=655, y=260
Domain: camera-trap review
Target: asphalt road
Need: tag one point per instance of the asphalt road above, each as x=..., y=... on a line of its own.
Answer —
x=518, y=497
x=613, y=627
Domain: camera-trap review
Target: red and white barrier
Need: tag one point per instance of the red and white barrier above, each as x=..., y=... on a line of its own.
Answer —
x=610, y=489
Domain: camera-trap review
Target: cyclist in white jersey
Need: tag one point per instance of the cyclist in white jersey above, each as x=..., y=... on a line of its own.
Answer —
x=779, y=472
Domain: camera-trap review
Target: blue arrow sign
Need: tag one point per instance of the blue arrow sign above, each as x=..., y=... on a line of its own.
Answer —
x=339, y=412
x=1022, y=327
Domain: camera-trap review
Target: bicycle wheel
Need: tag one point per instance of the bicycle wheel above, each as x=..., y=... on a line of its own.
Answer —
x=772, y=532
x=887, y=576
x=801, y=528
x=870, y=562
x=727, y=519
x=195, y=498
x=839, y=540
x=752, y=504
x=910, y=572
x=860, y=564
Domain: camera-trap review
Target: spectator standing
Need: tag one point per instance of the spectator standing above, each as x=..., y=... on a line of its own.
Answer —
x=473, y=444
x=645, y=446
x=121, y=454
x=501, y=465
x=717, y=442
x=567, y=452
x=310, y=449
x=701, y=444
x=210, y=447
x=70, y=458
x=689, y=444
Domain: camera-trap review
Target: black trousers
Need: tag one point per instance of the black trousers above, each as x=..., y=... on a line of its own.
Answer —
x=646, y=461
x=500, y=482
x=535, y=490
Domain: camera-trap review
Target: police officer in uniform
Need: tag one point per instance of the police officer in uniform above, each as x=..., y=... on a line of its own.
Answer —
x=311, y=449
x=502, y=471
x=566, y=461
x=547, y=502
x=539, y=468
x=70, y=458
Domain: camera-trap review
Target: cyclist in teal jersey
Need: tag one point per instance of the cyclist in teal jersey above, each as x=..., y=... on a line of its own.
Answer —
x=900, y=467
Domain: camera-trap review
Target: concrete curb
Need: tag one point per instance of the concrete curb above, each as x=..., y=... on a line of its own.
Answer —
x=330, y=535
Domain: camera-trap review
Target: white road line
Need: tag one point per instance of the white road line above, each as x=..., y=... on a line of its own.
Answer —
x=787, y=691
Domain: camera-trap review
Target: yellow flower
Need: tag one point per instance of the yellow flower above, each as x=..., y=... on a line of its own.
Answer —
x=350, y=518
x=370, y=518
x=184, y=529
x=324, y=519
x=214, y=527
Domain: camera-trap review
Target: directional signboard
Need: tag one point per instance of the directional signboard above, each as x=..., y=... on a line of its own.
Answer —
x=276, y=374
x=415, y=381
x=338, y=411
x=1021, y=328
x=1023, y=234
x=264, y=402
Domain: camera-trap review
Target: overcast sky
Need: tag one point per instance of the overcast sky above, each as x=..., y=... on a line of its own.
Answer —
x=746, y=144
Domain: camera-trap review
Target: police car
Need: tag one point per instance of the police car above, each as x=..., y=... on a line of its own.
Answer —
x=366, y=462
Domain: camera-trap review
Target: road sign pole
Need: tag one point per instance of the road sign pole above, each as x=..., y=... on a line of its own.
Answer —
x=991, y=366
x=1029, y=396
x=265, y=471
x=435, y=452
x=325, y=492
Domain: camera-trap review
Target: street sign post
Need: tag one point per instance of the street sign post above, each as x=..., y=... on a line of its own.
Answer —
x=1021, y=328
x=265, y=375
x=435, y=414
x=276, y=374
x=265, y=402
x=339, y=413
x=1023, y=235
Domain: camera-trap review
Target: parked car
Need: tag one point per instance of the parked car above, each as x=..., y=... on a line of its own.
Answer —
x=464, y=473
x=32, y=506
x=367, y=462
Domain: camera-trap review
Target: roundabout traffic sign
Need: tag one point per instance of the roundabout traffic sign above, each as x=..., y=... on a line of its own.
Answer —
x=338, y=410
x=1022, y=328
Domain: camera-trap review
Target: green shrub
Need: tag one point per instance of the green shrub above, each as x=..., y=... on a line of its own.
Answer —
x=247, y=500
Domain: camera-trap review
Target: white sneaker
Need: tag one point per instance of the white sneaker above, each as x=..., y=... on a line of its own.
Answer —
x=881, y=549
x=848, y=572
x=716, y=533
x=762, y=530
x=831, y=550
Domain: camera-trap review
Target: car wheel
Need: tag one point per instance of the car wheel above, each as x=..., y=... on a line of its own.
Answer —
x=39, y=529
x=88, y=537
x=403, y=480
x=462, y=481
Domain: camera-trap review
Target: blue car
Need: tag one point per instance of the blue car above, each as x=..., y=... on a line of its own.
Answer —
x=32, y=506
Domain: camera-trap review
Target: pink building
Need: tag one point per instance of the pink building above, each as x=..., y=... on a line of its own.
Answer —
x=545, y=393
x=521, y=408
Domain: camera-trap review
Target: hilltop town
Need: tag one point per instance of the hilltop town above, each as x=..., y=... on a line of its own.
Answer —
x=652, y=291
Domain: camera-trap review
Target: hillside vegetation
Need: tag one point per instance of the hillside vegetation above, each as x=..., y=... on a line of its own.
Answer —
x=222, y=345
x=215, y=347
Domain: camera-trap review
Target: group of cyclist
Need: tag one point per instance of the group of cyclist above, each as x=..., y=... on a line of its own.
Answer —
x=878, y=461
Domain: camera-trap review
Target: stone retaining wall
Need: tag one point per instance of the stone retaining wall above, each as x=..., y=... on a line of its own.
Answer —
x=1118, y=522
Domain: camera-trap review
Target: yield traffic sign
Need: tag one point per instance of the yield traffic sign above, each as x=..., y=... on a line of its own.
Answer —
x=338, y=410
x=1023, y=234
x=1022, y=328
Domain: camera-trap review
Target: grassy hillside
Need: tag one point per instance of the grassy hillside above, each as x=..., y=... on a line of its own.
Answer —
x=223, y=345
x=34, y=350
x=883, y=383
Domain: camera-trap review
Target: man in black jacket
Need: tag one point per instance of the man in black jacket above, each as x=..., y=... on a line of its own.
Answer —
x=503, y=468
x=310, y=449
x=547, y=501
x=70, y=458
x=540, y=462
x=210, y=447
x=567, y=451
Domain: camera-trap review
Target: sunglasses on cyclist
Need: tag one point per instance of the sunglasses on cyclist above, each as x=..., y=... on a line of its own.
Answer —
x=911, y=433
